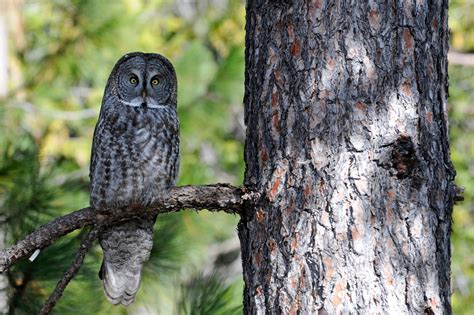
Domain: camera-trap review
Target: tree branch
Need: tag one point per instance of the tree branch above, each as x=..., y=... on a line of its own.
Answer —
x=71, y=272
x=459, y=58
x=219, y=197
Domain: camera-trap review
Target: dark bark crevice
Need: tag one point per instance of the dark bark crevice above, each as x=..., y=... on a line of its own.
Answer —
x=345, y=108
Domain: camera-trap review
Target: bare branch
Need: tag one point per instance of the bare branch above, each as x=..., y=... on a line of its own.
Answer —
x=219, y=197
x=458, y=194
x=45, y=235
x=463, y=59
x=71, y=272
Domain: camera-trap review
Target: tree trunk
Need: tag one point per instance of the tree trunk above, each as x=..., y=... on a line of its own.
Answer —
x=345, y=107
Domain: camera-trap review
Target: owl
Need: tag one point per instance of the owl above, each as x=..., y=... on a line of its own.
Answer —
x=135, y=160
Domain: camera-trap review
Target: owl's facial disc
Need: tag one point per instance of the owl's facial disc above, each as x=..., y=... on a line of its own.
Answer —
x=159, y=85
x=146, y=81
x=130, y=80
x=143, y=91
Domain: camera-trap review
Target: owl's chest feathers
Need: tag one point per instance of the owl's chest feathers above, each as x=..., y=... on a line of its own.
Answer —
x=138, y=156
x=137, y=127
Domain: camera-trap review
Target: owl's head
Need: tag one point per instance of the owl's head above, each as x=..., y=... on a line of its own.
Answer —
x=143, y=79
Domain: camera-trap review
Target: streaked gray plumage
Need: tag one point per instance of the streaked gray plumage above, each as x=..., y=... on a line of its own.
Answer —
x=134, y=161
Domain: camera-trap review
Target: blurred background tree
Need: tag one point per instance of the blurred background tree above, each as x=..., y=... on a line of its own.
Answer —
x=55, y=57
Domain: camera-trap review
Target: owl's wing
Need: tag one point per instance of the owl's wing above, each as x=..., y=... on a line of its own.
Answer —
x=96, y=146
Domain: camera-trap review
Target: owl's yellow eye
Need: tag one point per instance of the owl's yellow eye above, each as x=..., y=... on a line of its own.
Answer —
x=155, y=81
x=134, y=80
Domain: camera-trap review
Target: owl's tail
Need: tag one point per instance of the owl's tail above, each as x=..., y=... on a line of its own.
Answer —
x=120, y=286
x=126, y=248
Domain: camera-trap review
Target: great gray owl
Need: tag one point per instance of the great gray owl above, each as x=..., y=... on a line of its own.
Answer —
x=134, y=162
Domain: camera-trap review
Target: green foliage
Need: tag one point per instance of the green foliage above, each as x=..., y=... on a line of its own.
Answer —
x=461, y=116
x=61, y=53
x=60, y=57
x=461, y=22
x=462, y=155
x=204, y=295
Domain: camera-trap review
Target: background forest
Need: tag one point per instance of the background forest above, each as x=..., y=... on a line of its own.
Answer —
x=59, y=53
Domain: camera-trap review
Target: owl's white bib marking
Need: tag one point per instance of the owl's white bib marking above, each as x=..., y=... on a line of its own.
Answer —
x=138, y=101
x=155, y=106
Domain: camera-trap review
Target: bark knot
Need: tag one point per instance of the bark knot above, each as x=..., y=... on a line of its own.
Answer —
x=404, y=159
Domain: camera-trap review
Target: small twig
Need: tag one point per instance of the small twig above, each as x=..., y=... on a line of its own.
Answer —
x=219, y=197
x=463, y=59
x=458, y=194
x=72, y=270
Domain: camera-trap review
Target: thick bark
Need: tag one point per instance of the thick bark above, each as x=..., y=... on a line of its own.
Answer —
x=345, y=107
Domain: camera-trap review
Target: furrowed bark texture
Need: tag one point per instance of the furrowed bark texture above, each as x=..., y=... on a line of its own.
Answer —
x=345, y=108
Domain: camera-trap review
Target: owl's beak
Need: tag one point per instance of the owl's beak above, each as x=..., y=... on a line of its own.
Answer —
x=144, y=98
